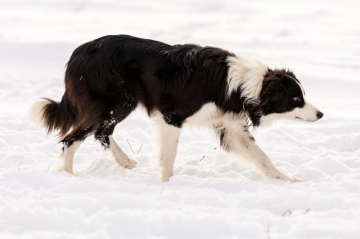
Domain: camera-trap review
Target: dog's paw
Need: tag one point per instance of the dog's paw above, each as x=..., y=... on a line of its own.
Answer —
x=130, y=163
x=295, y=180
x=286, y=178
x=61, y=169
x=283, y=177
x=166, y=175
x=126, y=162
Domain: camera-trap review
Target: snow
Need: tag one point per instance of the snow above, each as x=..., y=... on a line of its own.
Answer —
x=211, y=196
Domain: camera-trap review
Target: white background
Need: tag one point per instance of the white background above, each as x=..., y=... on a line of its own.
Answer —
x=211, y=198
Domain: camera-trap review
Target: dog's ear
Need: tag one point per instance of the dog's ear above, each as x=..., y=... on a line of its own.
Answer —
x=271, y=89
x=275, y=84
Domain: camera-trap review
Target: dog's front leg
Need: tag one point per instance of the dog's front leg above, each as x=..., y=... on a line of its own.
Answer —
x=169, y=138
x=239, y=141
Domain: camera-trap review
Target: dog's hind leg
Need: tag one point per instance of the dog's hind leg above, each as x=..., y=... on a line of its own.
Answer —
x=104, y=135
x=71, y=143
x=122, y=158
x=68, y=155
x=239, y=141
x=169, y=138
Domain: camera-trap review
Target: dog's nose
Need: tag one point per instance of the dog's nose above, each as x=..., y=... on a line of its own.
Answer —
x=319, y=115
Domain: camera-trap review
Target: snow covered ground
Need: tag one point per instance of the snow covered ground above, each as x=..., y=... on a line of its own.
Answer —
x=211, y=196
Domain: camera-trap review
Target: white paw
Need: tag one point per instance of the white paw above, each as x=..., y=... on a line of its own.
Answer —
x=126, y=162
x=165, y=175
x=130, y=163
x=295, y=180
x=63, y=169
x=286, y=178
x=283, y=177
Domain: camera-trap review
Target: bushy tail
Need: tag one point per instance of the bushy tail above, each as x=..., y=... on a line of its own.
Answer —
x=52, y=115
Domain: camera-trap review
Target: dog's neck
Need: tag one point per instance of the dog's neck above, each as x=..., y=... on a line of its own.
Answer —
x=246, y=74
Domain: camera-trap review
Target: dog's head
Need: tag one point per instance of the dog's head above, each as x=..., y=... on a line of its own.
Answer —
x=283, y=97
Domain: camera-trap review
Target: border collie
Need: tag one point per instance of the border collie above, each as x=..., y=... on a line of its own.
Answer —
x=107, y=78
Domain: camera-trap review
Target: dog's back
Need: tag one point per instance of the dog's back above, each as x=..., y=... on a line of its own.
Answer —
x=115, y=73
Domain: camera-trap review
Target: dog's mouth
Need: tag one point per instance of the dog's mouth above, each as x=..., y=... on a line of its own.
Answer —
x=305, y=119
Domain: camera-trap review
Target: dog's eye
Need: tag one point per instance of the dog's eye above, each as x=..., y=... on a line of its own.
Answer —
x=297, y=99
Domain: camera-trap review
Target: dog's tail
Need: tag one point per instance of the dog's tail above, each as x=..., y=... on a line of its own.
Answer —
x=52, y=115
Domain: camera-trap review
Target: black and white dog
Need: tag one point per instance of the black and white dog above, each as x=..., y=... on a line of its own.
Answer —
x=107, y=78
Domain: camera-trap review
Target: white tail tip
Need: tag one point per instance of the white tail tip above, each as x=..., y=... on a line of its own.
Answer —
x=36, y=112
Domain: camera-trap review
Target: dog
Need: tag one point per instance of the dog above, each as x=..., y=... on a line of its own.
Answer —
x=108, y=78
